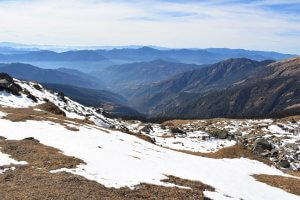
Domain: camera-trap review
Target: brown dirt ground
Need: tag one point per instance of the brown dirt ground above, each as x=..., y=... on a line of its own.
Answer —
x=34, y=181
x=38, y=155
x=236, y=151
x=291, y=185
x=294, y=173
x=51, y=108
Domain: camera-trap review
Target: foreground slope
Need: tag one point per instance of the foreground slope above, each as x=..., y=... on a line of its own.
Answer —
x=109, y=157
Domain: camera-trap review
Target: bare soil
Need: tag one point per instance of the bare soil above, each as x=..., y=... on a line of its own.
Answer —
x=236, y=151
x=289, y=184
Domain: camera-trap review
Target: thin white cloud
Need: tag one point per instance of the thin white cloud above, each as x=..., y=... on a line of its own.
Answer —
x=216, y=23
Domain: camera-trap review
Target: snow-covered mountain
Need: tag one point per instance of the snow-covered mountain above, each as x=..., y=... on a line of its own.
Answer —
x=70, y=151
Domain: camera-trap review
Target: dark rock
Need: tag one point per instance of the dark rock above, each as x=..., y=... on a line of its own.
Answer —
x=221, y=134
x=2, y=138
x=231, y=137
x=5, y=78
x=124, y=129
x=293, y=121
x=284, y=163
x=265, y=144
x=112, y=126
x=147, y=129
x=46, y=100
x=7, y=84
x=266, y=154
x=258, y=149
x=31, y=139
x=163, y=127
x=61, y=95
x=177, y=131
x=37, y=87
x=274, y=153
x=33, y=98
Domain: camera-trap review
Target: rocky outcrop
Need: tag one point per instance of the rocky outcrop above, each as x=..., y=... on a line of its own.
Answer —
x=7, y=84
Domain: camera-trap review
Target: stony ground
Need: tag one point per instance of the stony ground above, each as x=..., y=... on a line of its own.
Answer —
x=275, y=140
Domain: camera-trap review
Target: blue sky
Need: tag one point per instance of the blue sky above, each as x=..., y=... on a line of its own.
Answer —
x=251, y=24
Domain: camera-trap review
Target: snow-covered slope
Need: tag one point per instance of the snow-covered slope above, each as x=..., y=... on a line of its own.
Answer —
x=116, y=159
x=70, y=107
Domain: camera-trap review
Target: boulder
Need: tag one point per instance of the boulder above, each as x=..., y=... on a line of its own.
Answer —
x=7, y=84
x=33, y=98
x=124, y=129
x=264, y=143
x=147, y=129
x=177, y=131
x=261, y=146
x=61, y=95
x=221, y=134
x=31, y=139
x=274, y=153
x=284, y=163
x=37, y=87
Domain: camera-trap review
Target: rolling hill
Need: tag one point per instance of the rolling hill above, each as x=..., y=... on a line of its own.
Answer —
x=231, y=88
x=60, y=76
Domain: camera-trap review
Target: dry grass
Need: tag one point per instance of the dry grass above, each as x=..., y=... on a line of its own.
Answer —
x=51, y=108
x=167, y=136
x=143, y=137
x=32, y=184
x=38, y=155
x=178, y=122
x=236, y=151
x=291, y=185
x=294, y=173
x=34, y=181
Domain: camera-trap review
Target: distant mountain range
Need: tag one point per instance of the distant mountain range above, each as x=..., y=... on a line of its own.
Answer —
x=97, y=59
x=166, y=83
x=231, y=88
x=127, y=77
x=60, y=76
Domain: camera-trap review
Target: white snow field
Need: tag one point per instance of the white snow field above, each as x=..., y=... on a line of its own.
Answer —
x=116, y=159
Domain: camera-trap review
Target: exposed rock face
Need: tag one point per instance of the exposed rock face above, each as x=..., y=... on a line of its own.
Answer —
x=177, y=131
x=7, y=84
x=261, y=146
x=147, y=129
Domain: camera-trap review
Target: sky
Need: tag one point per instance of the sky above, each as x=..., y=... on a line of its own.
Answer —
x=272, y=25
